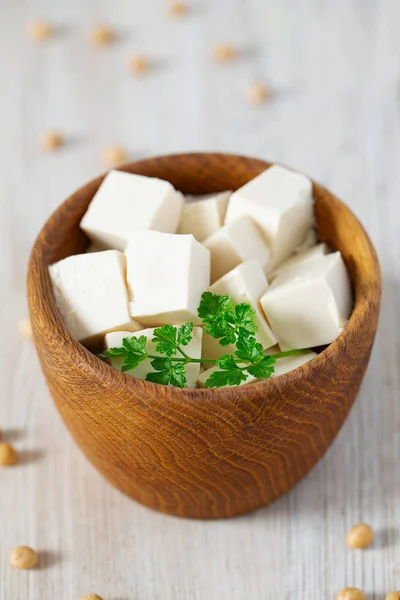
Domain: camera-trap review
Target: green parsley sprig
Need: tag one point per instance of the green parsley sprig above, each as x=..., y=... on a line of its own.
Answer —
x=230, y=324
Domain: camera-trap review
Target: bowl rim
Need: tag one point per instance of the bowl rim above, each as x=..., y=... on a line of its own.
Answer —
x=54, y=324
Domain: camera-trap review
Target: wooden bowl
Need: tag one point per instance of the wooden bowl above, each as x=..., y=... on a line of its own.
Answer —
x=203, y=453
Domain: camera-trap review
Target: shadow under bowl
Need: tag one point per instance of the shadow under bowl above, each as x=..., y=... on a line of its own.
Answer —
x=203, y=453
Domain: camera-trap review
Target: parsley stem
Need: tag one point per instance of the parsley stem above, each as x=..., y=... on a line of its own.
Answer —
x=188, y=359
x=182, y=352
x=289, y=353
x=203, y=360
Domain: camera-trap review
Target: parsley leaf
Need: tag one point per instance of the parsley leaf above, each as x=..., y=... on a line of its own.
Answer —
x=113, y=353
x=223, y=331
x=244, y=319
x=229, y=323
x=135, y=345
x=213, y=307
x=136, y=352
x=225, y=322
x=165, y=338
x=133, y=351
x=216, y=312
x=262, y=369
x=185, y=334
x=167, y=372
x=248, y=349
x=230, y=373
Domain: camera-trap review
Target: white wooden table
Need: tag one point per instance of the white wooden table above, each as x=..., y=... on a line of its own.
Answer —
x=334, y=68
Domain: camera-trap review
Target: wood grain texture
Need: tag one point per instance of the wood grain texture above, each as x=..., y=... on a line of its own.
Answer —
x=333, y=68
x=204, y=453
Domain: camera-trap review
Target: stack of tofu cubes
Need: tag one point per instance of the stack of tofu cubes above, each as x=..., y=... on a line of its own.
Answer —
x=153, y=253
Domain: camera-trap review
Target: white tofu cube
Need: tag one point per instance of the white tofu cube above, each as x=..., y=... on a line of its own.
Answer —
x=92, y=248
x=126, y=203
x=280, y=201
x=282, y=366
x=193, y=349
x=309, y=305
x=91, y=294
x=309, y=240
x=167, y=275
x=245, y=283
x=204, y=215
x=299, y=259
x=234, y=243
